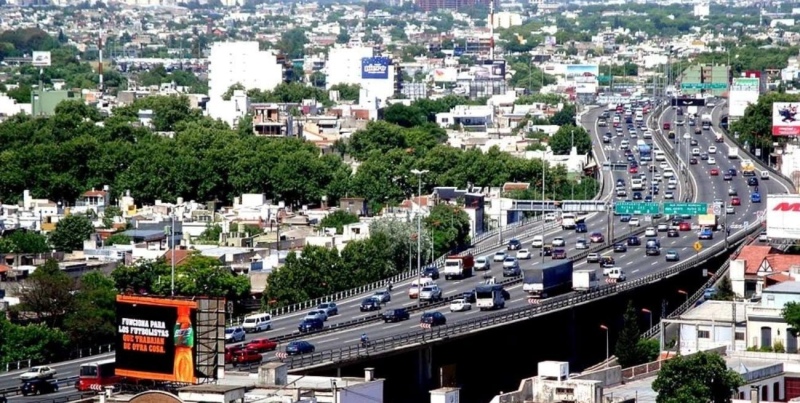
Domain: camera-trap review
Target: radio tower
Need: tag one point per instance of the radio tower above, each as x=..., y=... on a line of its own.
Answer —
x=491, y=29
x=100, y=45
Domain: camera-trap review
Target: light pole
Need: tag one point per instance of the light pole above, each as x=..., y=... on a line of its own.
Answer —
x=172, y=253
x=604, y=327
x=572, y=147
x=419, y=174
x=649, y=315
x=544, y=165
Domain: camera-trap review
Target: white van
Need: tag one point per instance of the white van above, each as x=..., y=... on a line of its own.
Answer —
x=257, y=323
x=413, y=291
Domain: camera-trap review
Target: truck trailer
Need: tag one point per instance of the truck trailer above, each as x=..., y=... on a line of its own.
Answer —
x=458, y=267
x=585, y=280
x=490, y=296
x=554, y=277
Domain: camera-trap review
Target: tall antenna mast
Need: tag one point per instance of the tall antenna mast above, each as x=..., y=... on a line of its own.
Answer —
x=100, y=44
x=491, y=29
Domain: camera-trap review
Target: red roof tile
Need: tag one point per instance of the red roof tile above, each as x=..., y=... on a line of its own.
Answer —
x=180, y=256
x=777, y=278
x=753, y=255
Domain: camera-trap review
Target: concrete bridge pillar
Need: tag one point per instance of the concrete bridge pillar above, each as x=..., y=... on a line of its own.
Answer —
x=425, y=365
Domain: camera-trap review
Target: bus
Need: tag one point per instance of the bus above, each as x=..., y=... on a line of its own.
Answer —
x=645, y=151
x=100, y=373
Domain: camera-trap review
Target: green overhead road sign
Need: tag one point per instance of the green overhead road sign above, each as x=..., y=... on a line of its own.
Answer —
x=636, y=208
x=704, y=86
x=685, y=208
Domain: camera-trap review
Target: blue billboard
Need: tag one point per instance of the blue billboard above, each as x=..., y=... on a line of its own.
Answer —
x=375, y=68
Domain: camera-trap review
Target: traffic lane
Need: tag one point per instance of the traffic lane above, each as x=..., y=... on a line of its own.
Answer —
x=64, y=392
x=64, y=369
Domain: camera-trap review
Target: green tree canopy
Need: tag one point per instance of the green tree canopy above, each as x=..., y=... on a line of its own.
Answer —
x=755, y=127
x=450, y=228
x=698, y=378
x=630, y=349
x=48, y=294
x=92, y=321
x=23, y=241
x=338, y=219
x=567, y=135
x=70, y=233
x=791, y=314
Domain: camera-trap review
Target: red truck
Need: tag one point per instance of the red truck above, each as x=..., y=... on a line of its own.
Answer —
x=246, y=356
x=458, y=267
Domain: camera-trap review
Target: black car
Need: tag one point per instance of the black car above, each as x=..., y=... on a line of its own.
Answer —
x=431, y=271
x=395, y=315
x=469, y=296
x=310, y=325
x=673, y=233
x=732, y=172
x=433, y=319
x=652, y=251
x=620, y=247
x=634, y=241
x=752, y=181
x=40, y=386
x=370, y=304
x=514, y=244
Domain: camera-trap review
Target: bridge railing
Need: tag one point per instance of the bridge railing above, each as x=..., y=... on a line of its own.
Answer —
x=424, y=336
x=76, y=354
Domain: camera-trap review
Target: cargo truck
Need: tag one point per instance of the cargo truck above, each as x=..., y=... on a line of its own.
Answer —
x=458, y=267
x=490, y=296
x=585, y=280
x=706, y=118
x=554, y=277
x=568, y=221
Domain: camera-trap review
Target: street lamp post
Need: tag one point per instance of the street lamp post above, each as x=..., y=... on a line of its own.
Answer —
x=419, y=174
x=649, y=315
x=604, y=327
x=572, y=147
x=544, y=165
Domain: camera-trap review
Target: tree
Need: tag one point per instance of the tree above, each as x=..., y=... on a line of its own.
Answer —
x=70, y=233
x=627, y=348
x=450, y=228
x=755, y=127
x=698, y=378
x=567, y=135
x=566, y=116
x=92, y=322
x=791, y=314
x=724, y=290
x=347, y=92
x=118, y=239
x=338, y=219
x=311, y=274
x=405, y=116
x=48, y=294
x=37, y=342
x=140, y=277
x=401, y=241
x=23, y=241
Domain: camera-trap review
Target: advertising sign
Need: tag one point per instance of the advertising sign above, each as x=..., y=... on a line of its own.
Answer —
x=40, y=59
x=743, y=93
x=581, y=70
x=156, y=338
x=445, y=75
x=688, y=101
x=784, y=119
x=783, y=216
x=375, y=68
x=746, y=84
x=499, y=69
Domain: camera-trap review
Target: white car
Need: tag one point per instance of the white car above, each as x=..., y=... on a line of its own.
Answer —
x=668, y=173
x=712, y=150
x=499, y=256
x=657, y=176
x=549, y=217
x=538, y=242
x=582, y=244
x=711, y=161
x=650, y=232
x=634, y=222
x=762, y=237
x=510, y=262
x=669, y=195
x=671, y=186
x=663, y=165
x=459, y=305
x=558, y=241
x=234, y=334
x=482, y=263
x=523, y=254
x=730, y=210
x=38, y=372
x=319, y=314
x=695, y=151
x=662, y=227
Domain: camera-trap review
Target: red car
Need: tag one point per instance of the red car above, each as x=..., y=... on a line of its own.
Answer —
x=230, y=352
x=247, y=357
x=666, y=126
x=735, y=201
x=633, y=170
x=261, y=345
x=685, y=226
x=714, y=172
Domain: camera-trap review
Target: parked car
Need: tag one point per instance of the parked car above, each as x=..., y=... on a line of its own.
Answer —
x=330, y=308
x=261, y=345
x=299, y=347
x=459, y=305
x=395, y=315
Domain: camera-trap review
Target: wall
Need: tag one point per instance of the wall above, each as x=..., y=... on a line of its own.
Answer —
x=607, y=376
x=737, y=276
x=718, y=335
x=779, y=329
x=770, y=389
x=366, y=392
x=570, y=390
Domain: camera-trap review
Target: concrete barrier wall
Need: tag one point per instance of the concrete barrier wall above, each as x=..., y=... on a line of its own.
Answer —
x=523, y=394
x=608, y=376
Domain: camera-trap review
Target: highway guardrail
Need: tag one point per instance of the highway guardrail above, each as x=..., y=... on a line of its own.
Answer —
x=76, y=354
x=352, y=352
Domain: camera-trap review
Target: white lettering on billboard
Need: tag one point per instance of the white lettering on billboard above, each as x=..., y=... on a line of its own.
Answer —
x=785, y=121
x=783, y=217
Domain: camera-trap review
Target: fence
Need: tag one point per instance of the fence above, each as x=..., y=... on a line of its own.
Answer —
x=76, y=354
x=353, y=352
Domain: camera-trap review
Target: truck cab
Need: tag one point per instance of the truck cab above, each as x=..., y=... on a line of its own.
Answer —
x=458, y=267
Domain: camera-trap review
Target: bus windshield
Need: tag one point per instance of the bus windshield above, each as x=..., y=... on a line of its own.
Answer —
x=88, y=370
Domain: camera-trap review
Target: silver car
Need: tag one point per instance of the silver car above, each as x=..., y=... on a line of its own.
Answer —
x=510, y=262
x=383, y=296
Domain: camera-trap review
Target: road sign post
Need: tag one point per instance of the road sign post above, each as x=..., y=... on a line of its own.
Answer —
x=697, y=247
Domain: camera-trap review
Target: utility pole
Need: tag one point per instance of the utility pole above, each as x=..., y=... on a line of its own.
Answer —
x=419, y=174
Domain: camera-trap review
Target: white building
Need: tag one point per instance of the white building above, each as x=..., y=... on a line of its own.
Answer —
x=702, y=10
x=360, y=66
x=766, y=327
x=504, y=19
x=239, y=63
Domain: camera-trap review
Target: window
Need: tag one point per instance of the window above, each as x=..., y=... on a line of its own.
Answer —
x=703, y=334
x=739, y=336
